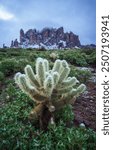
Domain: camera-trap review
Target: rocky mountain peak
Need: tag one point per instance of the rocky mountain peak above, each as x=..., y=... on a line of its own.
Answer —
x=49, y=38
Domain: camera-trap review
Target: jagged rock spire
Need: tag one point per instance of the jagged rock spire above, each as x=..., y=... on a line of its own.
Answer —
x=49, y=37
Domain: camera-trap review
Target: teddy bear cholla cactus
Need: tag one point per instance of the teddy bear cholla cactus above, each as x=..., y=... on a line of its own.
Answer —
x=54, y=56
x=49, y=88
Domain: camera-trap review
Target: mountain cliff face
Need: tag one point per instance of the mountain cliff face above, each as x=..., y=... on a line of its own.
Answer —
x=48, y=38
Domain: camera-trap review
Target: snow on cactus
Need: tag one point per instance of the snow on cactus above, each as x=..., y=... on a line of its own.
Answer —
x=49, y=88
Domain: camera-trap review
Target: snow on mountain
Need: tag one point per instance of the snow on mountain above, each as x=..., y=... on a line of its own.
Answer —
x=48, y=38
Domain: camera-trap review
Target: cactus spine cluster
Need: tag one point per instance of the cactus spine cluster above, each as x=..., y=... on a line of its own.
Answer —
x=49, y=87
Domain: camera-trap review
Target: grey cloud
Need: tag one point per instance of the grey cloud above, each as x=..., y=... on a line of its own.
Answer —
x=74, y=15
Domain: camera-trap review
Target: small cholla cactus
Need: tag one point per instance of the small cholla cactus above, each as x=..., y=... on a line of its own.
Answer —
x=49, y=88
x=54, y=56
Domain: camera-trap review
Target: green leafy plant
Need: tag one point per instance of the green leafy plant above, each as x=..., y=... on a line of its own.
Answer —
x=74, y=57
x=51, y=89
x=65, y=114
x=11, y=91
x=16, y=132
x=91, y=59
x=10, y=66
x=2, y=77
x=7, y=66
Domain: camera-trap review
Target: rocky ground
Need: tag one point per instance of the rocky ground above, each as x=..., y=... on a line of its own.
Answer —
x=85, y=106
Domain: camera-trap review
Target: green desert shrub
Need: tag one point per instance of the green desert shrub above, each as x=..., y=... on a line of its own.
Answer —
x=91, y=59
x=74, y=57
x=7, y=66
x=81, y=74
x=11, y=91
x=17, y=132
x=81, y=60
x=21, y=63
x=66, y=114
x=2, y=77
x=88, y=51
x=10, y=66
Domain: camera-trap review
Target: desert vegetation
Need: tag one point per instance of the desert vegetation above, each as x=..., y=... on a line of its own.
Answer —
x=19, y=129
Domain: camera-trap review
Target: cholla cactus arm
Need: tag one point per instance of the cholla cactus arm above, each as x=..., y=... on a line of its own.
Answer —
x=46, y=64
x=49, y=85
x=55, y=78
x=40, y=70
x=25, y=86
x=16, y=77
x=47, y=74
x=78, y=91
x=74, y=92
x=68, y=78
x=57, y=66
x=69, y=82
x=64, y=74
x=69, y=97
x=65, y=70
x=31, y=76
x=64, y=63
x=64, y=90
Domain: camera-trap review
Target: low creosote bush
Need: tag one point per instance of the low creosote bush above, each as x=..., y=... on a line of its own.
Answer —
x=51, y=89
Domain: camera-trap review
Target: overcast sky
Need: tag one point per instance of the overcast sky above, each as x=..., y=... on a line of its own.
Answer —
x=78, y=16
